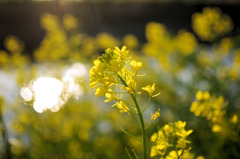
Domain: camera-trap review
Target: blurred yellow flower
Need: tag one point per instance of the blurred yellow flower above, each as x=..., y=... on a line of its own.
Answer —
x=155, y=115
x=106, y=40
x=70, y=22
x=216, y=128
x=234, y=119
x=211, y=23
x=130, y=41
x=13, y=44
x=49, y=21
x=4, y=59
x=172, y=155
x=200, y=157
x=185, y=42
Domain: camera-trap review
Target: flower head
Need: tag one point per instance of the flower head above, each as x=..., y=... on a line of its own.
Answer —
x=165, y=138
x=111, y=96
x=135, y=66
x=156, y=115
x=150, y=90
x=122, y=107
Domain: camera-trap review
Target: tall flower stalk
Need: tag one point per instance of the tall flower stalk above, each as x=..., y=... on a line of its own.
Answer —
x=139, y=112
x=112, y=77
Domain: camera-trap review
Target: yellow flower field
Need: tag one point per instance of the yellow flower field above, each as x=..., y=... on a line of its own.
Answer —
x=80, y=96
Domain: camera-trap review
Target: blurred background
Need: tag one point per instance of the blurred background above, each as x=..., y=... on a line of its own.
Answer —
x=48, y=47
x=119, y=17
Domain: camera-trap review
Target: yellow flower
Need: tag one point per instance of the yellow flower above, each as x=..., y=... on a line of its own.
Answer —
x=182, y=143
x=216, y=128
x=234, y=119
x=153, y=152
x=122, y=107
x=156, y=115
x=150, y=90
x=194, y=106
x=164, y=139
x=105, y=40
x=4, y=59
x=13, y=44
x=183, y=133
x=135, y=66
x=130, y=41
x=123, y=53
x=180, y=124
x=199, y=95
x=168, y=129
x=211, y=23
x=200, y=157
x=206, y=95
x=210, y=107
x=70, y=22
x=111, y=96
x=131, y=86
x=172, y=155
x=185, y=42
x=100, y=91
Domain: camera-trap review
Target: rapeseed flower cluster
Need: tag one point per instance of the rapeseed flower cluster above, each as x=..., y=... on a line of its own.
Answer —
x=131, y=41
x=224, y=47
x=211, y=23
x=106, y=40
x=106, y=72
x=113, y=74
x=171, y=137
x=168, y=50
x=210, y=107
x=186, y=155
x=14, y=54
x=55, y=45
x=214, y=109
x=110, y=70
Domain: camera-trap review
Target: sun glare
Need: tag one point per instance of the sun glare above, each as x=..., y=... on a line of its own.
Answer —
x=47, y=91
x=71, y=78
x=51, y=93
x=26, y=94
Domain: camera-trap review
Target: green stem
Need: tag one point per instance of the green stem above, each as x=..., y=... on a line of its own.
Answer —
x=135, y=154
x=129, y=133
x=141, y=120
x=146, y=105
x=153, y=142
x=142, y=126
x=128, y=153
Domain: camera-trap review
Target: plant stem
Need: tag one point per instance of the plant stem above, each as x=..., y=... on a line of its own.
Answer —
x=142, y=126
x=129, y=134
x=141, y=120
x=128, y=153
x=146, y=105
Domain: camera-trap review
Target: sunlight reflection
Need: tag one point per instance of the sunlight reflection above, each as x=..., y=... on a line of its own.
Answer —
x=47, y=91
x=72, y=77
x=51, y=93
x=26, y=94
